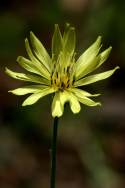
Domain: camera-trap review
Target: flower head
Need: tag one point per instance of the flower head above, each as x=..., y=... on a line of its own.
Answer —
x=60, y=73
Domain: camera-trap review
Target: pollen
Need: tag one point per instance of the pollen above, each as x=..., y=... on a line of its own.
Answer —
x=62, y=78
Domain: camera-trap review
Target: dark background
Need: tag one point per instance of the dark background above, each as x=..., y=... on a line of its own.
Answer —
x=91, y=145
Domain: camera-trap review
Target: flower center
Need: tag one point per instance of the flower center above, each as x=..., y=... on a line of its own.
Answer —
x=62, y=78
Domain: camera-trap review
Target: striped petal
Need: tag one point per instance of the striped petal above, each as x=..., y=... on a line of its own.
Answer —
x=95, y=78
x=36, y=96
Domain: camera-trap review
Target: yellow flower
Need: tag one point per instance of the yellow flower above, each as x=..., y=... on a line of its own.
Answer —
x=60, y=73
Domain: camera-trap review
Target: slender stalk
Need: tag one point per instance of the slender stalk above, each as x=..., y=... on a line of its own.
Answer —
x=53, y=153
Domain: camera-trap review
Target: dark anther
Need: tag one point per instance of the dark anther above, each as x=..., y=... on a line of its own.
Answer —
x=73, y=80
x=55, y=81
x=67, y=83
x=62, y=87
x=68, y=69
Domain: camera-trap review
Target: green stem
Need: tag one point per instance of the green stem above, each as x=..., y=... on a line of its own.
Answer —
x=53, y=153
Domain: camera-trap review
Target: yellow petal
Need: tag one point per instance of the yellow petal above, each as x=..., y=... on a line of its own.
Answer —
x=81, y=93
x=88, y=56
x=87, y=67
x=66, y=96
x=27, y=77
x=40, y=52
x=44, y=71
x=104, y=55
x=94, y=78
x=34, y=67
x=57, y=108
x=69, y=41
x=89, y=102
x=56, y=42
x=28, y=89
x=36, y=96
